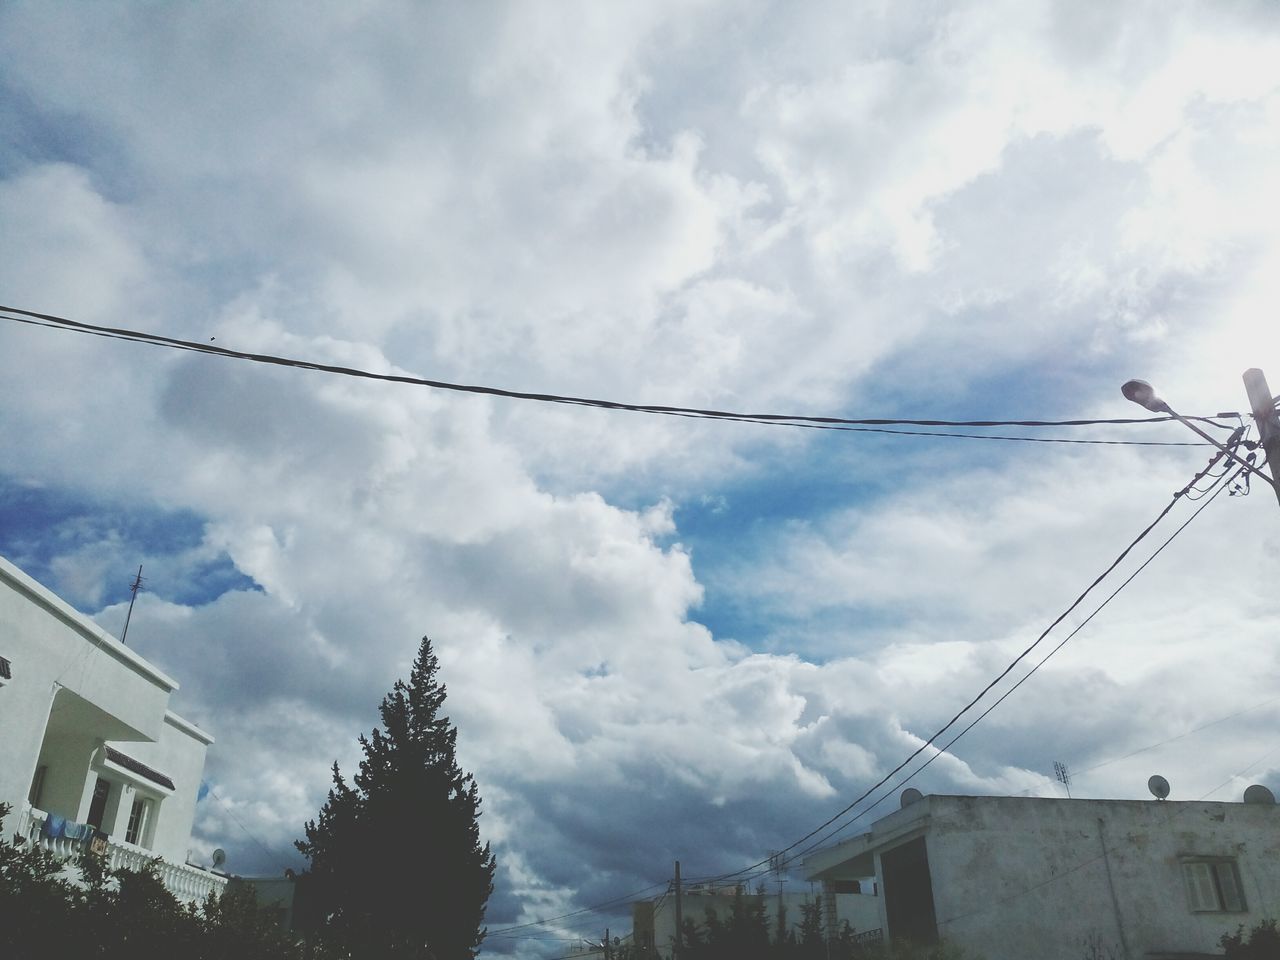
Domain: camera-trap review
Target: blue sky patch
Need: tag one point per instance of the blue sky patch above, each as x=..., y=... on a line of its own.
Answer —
x=41, y=527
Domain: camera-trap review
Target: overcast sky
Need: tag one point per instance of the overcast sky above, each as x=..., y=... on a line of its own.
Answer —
x=662, y=638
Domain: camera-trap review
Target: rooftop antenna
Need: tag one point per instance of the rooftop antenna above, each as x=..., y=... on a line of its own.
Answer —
x=1064, y=776
x=133, y=589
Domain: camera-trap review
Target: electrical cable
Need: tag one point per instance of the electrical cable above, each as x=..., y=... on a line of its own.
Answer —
x=1026, y=676
x=1053, y=878
x=51, y=321
x=1152, y=746
x=1004, y=673
x=274, y=854
x=1241, y=773
x=120, y=333
x=594, y=908
x=747, y=874
x=1222, y=482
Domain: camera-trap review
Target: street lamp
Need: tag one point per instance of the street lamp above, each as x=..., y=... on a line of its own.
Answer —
x=1143, y=394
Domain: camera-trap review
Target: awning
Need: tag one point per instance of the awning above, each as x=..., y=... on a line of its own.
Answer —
x=141, y=769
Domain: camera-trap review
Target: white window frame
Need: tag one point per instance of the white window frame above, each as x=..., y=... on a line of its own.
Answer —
x=147, y=825
x=136, y=827
x=1213, y=885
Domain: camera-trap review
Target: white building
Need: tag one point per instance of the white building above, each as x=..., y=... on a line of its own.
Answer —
x=86, y=737
x=1012, y=878
x=653, y=922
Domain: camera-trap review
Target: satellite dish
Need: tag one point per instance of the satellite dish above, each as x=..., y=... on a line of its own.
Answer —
x=1158, y=786
x=909, y=796
x=219, y=857
x=1260, y=795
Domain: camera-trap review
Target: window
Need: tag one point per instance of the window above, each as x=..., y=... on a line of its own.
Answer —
x=138, y=817
x=1213, y=885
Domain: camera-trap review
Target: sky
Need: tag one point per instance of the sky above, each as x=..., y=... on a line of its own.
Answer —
x=662, y=638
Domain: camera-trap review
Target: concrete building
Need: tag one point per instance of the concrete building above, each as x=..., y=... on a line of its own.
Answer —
x=1011, y=878
x=654, y=921
x=91, y=754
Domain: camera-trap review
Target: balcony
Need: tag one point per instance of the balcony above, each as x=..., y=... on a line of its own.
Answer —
x=189, y=884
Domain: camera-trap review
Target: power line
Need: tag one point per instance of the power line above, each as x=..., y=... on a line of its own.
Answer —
x=1203, y=726
x=18, y=315
x=1241, y=773
x=1152, y=746
x=594, y=908
x=945, y=749
x=1005, y=672
x=1053, y=878
x=274, y=854
x=1221, y=483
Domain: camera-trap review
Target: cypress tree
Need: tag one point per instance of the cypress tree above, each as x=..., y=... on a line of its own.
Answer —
x=397, y=867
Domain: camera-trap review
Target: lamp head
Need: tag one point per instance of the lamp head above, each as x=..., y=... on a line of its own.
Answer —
x=1143, y=394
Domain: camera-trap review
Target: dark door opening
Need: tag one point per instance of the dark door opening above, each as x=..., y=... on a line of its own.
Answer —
x=98, y=806
x=908, y=893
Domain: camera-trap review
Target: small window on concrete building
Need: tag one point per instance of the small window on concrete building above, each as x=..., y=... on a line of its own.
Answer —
x=1213, y=885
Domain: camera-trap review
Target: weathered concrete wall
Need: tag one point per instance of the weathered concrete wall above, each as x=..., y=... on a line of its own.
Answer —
x=1016, y=877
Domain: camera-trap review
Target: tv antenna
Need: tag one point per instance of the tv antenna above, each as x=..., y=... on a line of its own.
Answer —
x=133, y=589
x=1063, y=776
x=778, y=867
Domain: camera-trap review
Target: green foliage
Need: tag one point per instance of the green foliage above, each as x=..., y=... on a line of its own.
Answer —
x=811, y=944
x=902, y=950
x=746, y=934
x=397, y=867
x=110, y=914
x=1261, y=943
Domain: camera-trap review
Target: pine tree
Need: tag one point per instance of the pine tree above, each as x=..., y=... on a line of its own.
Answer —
x=397, y=867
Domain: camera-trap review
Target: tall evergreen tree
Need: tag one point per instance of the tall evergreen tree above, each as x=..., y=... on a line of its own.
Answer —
x=397, y=867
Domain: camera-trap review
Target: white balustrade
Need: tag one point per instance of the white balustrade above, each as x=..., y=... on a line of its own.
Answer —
x=187, y=883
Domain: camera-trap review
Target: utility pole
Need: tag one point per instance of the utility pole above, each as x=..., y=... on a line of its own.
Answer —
x=679, y=948
x=607, y=954
x=1264, y=415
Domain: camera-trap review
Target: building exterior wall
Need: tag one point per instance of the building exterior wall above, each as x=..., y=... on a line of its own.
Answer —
x=1015, y=877
x=75, y=689
x=179, y=753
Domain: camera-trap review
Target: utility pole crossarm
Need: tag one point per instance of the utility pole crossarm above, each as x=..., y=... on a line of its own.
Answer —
x=1143, y=394
x=1263, y=405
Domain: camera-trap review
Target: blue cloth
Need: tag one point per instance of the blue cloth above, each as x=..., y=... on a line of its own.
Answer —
x=53, y=826
x=77, y=831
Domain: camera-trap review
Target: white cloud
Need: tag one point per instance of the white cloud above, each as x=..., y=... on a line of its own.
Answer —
x=1009, y=208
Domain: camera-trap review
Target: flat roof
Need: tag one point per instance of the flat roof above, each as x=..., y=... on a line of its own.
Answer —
x=83, y=625
x=187, y=727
